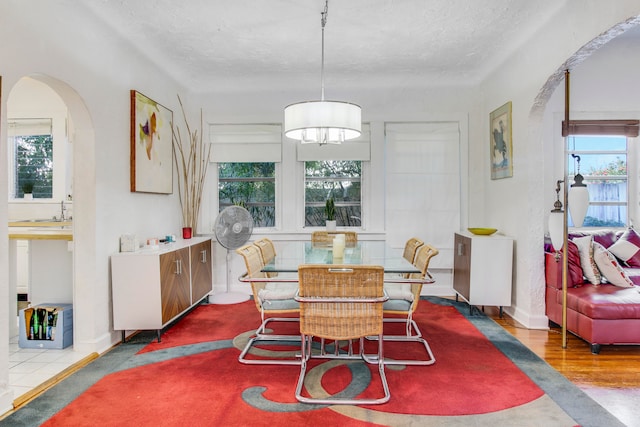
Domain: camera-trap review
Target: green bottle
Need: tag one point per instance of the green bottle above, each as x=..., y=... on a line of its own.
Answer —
x=36, y=324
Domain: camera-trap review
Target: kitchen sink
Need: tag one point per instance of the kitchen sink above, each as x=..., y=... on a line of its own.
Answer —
x=46, y=222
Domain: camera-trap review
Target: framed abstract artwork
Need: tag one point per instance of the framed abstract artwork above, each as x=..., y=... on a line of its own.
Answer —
x=151, y=146
x=500, y=145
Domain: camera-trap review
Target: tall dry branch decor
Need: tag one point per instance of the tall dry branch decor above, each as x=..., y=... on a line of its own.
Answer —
x=191, y=157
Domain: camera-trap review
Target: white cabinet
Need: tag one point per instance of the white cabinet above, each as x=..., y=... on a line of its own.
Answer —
x=482, y=269
x=151, y=288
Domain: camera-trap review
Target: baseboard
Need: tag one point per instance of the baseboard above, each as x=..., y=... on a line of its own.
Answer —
x=98, y=345
x=526, y=320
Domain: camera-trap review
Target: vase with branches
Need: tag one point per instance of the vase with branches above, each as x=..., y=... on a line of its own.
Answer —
x=191, y=156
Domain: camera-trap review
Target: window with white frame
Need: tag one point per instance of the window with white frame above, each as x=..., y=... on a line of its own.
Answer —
x=339, y=180
x=246, y=156
x=335, y=171
x=250, y=185
x=603, y=164
x=31, y=142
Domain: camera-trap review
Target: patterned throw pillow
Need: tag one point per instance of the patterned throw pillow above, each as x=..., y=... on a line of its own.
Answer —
x=609, y=267
x=589, y=267
x=627, y=248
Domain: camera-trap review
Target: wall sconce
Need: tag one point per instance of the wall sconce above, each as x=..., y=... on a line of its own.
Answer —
x=578, y=197
x=556, y=223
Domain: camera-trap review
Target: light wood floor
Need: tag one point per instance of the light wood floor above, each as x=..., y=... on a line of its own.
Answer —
x=616, y=366
x=612, y=378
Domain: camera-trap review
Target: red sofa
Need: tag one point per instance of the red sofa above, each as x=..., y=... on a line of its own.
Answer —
x=600, y=314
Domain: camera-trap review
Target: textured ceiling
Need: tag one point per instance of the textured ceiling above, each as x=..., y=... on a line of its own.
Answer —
x=209, y=44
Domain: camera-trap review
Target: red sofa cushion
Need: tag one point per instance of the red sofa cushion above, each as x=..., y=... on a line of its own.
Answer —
x=553, y=268
x=603, y=301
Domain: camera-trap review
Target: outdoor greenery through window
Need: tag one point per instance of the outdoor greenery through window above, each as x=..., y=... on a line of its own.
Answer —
x=250, y=185
x=337, y=179
x=32, y=157
x=603, y=164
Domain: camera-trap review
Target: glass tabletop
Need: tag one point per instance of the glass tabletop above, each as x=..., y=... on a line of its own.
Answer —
x=293, y=254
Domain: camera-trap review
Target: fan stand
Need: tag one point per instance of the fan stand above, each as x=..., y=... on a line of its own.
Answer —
x=228, y=297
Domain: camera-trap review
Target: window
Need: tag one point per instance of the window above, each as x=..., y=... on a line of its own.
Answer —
x=32, y=143
x=251, y=185
x=603, y=164
x=337, y=179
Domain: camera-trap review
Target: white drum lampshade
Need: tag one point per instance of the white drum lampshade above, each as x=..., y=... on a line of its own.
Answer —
x=322, y=122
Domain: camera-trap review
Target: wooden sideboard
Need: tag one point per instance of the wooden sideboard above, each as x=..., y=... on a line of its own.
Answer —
x=482, y=269
x=151, y=288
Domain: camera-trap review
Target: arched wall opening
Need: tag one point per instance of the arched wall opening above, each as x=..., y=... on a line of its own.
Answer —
x=84, y=211
x=542, y=180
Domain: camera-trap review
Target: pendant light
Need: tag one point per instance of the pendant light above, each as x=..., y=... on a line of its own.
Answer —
x=578, y=197
x=556, y=222
x=322, y=122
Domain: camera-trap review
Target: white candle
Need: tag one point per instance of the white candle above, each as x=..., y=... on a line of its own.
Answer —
x=338, y=245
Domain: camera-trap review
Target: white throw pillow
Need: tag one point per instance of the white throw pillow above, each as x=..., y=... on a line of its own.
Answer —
x=399, y=291
x=588, y=264
x=278, y=291
x=609, y=267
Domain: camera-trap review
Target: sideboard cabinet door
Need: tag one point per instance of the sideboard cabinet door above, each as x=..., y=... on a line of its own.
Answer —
x=482, y=269
x=175, y=292
x=201, y=272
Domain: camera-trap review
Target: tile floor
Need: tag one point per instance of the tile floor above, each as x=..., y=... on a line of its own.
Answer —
x=30, y=367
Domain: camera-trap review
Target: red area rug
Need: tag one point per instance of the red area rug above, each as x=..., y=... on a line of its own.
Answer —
x=471, y=378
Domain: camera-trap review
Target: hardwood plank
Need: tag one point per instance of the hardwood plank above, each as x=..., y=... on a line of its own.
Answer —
x=615, y=367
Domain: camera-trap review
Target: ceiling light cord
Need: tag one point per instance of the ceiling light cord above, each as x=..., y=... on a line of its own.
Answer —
x=323, y=22
x=322, y=122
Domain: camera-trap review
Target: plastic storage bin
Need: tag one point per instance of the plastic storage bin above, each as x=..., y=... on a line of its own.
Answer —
x=63, y=337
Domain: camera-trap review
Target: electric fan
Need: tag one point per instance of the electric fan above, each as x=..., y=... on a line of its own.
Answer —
x=233, y=227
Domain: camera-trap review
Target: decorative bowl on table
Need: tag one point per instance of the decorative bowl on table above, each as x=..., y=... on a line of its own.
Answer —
x=482, y=231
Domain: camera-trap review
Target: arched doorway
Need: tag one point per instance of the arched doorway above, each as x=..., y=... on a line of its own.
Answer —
x=81, y=140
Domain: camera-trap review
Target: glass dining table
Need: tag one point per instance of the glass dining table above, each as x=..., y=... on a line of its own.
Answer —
x=293, y=254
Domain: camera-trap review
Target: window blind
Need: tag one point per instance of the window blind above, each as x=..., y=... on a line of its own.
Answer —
x=246, y=142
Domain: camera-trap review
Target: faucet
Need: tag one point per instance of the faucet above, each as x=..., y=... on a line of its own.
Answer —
x=62, y=209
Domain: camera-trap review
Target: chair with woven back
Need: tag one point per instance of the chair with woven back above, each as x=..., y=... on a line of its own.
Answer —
x=271, y=298
x=338, y=303
x=267, y=251
x=403, y=301
x=326, y=237
x=410, y=249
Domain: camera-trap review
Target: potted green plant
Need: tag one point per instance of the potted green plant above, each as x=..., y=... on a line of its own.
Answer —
x=330, y=211
x=27, y=189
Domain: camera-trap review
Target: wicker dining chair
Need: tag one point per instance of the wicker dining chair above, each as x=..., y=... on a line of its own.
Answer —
x=350, y=237
x=404, y=299
x=410, y=249
x=271, y=298
x=341, y=302
x=267, y=251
